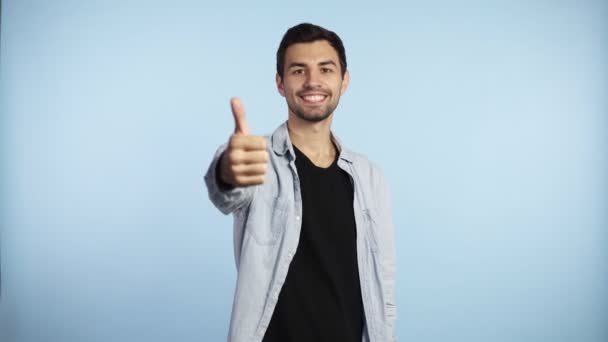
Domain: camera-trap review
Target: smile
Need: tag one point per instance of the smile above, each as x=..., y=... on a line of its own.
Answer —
x=313, y=98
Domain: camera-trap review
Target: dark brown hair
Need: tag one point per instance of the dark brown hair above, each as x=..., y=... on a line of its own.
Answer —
x=308, y=33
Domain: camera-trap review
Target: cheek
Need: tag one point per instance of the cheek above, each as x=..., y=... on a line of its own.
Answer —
x=284, y=90
x=290, y=91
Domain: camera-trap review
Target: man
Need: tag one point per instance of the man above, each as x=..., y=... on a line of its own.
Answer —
x=313, y=235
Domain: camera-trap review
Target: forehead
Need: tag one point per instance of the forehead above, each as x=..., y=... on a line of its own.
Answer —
x=313, y=52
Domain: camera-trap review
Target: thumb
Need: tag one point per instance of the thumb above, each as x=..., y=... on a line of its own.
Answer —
x=238, y=111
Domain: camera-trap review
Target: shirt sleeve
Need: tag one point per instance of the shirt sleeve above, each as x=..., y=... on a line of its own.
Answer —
x=226, y=199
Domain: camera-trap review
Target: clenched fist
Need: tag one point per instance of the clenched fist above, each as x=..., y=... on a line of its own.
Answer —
x=245, y=160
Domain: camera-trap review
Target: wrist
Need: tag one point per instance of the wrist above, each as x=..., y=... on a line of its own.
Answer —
x=219, y=175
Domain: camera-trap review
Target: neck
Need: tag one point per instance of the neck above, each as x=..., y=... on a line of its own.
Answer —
x=312, y=138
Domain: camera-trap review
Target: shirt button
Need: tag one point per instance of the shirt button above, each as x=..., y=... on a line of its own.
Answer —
x=298, y=218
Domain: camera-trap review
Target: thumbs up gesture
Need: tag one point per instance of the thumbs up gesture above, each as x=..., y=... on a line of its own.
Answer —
x=245, y=160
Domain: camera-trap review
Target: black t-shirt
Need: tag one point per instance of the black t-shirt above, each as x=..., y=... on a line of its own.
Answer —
x=321, y=297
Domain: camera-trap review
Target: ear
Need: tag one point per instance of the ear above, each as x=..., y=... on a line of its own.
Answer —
x=345, y=81
x=279, y=82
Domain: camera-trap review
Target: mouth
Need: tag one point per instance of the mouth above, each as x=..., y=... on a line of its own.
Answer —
x=313, y=99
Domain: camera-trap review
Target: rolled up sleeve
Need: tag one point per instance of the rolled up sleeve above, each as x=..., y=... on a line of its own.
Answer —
x=227, y=200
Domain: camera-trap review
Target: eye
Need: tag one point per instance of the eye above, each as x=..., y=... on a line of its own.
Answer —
x=326, y=70
x=297, y=71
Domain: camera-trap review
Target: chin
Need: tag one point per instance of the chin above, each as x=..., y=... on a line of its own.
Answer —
x=313, y=118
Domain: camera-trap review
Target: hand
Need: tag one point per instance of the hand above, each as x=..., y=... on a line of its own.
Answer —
x=245, y=161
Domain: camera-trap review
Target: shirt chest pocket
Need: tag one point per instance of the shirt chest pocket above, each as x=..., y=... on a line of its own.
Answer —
x=267, y=219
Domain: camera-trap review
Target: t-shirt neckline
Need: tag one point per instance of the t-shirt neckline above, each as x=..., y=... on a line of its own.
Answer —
x=312, y=165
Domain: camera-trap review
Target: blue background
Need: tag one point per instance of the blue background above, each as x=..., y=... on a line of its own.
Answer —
x=489, y=118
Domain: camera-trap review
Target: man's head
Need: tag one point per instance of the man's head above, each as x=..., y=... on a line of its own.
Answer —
x=308, y=33
x=311, y=71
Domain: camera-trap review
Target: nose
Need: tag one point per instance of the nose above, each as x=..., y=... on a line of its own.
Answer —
x=313, y=79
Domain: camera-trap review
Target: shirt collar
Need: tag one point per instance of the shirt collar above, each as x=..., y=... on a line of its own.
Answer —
x=281, y=144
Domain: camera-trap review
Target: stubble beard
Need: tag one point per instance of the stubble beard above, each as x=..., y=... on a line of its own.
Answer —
x=309, y=115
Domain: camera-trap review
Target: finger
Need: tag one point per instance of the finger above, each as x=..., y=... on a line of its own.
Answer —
x=250, y=169
x=249, y=157
x=248, y=143
x=249, y=180
x=238, y=111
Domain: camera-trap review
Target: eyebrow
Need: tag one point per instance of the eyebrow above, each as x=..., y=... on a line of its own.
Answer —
x=328, y=63
x=295, y=64
x=303, y=65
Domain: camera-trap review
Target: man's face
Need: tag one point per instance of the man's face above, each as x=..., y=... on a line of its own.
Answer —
x=312, y=81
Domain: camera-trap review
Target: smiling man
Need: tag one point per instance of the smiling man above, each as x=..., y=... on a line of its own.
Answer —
x=313, y=234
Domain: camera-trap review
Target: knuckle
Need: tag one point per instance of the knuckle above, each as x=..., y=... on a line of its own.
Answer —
x=239, y=181
x=232, y=157
x=234, y=169
x=232, y=141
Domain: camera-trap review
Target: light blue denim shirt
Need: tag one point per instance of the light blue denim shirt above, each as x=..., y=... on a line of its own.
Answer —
x=267, y=223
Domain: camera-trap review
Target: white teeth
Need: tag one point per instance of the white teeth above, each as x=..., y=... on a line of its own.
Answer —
x=313, y=98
